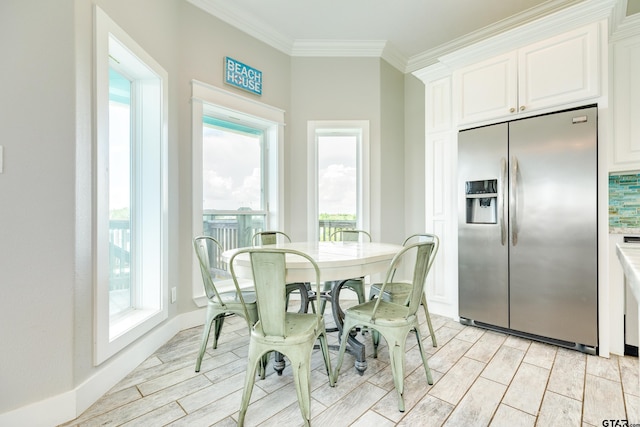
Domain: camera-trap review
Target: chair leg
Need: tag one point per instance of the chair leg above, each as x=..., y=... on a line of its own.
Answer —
x=396, y=357
x=375, y=337
x=302, y=378
x=249, y=381
x=327, y=358
x=278, y=363
x=343, y=347
x=427, y=370
x=219, y=321
x=262, y=369
x=359, y=290
x=203, y=345
x=426, y=313
x=304, y=298
x=327, y=286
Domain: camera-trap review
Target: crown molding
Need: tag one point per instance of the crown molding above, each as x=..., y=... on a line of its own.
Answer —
x=553, y=15
x=586, y=12
x=623, y=26
x=350, y=48
x=324, y=48
x=247, y=25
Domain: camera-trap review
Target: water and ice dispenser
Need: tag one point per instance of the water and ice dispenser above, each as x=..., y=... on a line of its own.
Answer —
x=482, y=201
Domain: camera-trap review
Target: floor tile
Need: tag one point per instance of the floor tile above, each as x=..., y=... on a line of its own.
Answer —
x=481, y=378
x=504, y=365
x=560, y=410
x=603, y=400
x=568, y=373
x=527, y=388
x=506, y=416
x=478, y=405
x=452, y=387
x=540, y=354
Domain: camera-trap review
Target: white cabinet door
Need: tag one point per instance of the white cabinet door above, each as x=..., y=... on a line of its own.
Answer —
x=487, y=89
x=626, y=105
x=553, y=72
x=559, y=70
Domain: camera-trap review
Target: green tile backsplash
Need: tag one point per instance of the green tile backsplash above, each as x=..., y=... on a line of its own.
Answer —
x=624, y=201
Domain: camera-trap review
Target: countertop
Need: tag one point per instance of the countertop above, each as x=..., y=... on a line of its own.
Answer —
x=629, y=256
x=623, y=230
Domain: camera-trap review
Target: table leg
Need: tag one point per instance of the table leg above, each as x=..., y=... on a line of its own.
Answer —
x=354, y=347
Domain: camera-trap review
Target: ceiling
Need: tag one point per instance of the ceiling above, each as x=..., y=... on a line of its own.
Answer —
x=408, y=33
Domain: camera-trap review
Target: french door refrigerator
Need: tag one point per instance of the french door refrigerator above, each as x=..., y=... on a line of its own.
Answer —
x=527, y=227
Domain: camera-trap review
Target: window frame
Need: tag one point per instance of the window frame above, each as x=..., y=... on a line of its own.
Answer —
x=213, y=101
x=149, y=190
x=346, y=127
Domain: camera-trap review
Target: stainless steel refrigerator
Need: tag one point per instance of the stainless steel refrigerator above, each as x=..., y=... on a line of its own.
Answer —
x=527, y=227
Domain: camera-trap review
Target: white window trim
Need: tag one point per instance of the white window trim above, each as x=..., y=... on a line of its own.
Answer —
x=312, y=170
x=204, y=97
x=111, y=338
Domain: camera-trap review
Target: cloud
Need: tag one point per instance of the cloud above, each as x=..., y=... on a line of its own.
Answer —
x=337, y=189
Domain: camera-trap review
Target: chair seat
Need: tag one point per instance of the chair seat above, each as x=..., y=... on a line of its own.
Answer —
x=225, y=286
x=388, y=314
x=232, y=297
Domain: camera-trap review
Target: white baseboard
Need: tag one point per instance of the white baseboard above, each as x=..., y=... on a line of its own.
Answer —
x=69, y=405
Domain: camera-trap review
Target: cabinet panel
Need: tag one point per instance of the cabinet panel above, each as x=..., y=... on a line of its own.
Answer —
x=626, y=106
x=554, y=72
x=487, y=89
x=559, y=70
x=438, y=104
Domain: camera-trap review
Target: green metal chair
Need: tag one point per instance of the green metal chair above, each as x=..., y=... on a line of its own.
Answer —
x=355, y=284
x=291, y=334
x=225, y=297
x=394, y=321
x=398, y=291
x=271, y=238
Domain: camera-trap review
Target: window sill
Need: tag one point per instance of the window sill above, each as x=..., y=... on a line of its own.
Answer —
x=129, y=320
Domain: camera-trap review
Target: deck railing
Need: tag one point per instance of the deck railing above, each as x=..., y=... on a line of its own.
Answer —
x=119, y=254
x=232, y=231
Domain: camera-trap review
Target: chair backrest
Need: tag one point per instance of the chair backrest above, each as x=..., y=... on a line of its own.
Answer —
x=350, y=236
x=201, y=245
x=424, y=237
x=268, y=237
x=424, y=252
x=269, y=267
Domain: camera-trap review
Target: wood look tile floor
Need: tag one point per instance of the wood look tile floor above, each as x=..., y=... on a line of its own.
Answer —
x=481, y=378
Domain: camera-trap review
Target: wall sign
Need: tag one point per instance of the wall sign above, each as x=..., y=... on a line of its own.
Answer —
x=242, y=76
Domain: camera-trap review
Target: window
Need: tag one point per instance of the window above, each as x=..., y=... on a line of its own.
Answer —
x=131, y=190
x=233, y=176
x=236, y=175
x=338, y=165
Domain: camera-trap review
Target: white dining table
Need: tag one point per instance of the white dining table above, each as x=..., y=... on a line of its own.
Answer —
x=338, y=262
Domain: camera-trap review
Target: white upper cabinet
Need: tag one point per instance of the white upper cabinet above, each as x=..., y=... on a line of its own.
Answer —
x=626, y=105
x=487, y=89
x=553, y=72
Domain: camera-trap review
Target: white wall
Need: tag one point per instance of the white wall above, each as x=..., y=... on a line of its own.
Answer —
x=37, y=200
x=390, y=164
x=414, y=155
x=46, y=325
x=350, y=89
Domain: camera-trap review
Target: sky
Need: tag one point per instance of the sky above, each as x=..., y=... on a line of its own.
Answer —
x=231, y=172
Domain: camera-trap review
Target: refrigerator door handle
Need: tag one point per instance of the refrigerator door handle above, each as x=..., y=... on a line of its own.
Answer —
x=501, y=198
x=513, y=200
